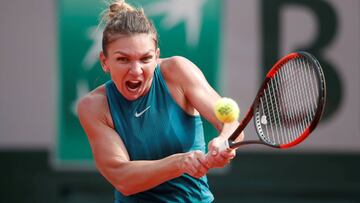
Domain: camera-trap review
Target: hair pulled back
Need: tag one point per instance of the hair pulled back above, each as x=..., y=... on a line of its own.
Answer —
x=123, y=19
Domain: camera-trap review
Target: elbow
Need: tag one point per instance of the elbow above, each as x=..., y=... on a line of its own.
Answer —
x=125, y=190
x=122, y=183
x=119, y=177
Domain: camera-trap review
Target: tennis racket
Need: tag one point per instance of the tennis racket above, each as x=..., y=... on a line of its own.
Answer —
x=288, y=105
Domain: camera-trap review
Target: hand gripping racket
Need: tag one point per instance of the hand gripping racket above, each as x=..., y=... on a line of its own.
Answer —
x=288, y=105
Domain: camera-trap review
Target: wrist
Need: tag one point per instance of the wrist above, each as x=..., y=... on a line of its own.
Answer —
x=176, y=164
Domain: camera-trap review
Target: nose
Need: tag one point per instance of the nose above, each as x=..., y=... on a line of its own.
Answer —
x=136, y=68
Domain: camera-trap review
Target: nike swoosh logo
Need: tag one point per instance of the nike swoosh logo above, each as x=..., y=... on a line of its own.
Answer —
x=141, y=113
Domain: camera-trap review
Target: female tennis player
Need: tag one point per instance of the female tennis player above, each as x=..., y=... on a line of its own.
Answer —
x=144, y=125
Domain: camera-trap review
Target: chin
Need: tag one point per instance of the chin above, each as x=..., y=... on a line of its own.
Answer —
x=129, y=96
x=132, y=95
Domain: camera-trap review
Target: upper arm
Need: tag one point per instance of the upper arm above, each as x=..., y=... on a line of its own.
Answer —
x=108, y=149
x=110, y=154
x=197, y=90
x=201, y=95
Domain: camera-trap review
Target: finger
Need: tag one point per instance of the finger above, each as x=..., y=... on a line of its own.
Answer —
x=205, y=162
x=200, y=160
x=192, y=170
x=209, y=160
x=203, y=159
x=220, y=158
x=191, y=164
x=199, y=175
x=201, y=172
x=220, y=161
x=229, y=154
x=204, y=166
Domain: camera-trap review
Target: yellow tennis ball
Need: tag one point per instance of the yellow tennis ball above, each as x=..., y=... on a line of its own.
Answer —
x=226, y=110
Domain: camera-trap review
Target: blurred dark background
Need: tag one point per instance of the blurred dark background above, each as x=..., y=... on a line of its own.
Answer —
x=255, y=178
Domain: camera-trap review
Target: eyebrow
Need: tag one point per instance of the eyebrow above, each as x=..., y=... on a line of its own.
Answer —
x=125, y=54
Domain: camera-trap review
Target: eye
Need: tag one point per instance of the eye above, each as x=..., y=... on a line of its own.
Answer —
x=122, y=59
x=146, y=59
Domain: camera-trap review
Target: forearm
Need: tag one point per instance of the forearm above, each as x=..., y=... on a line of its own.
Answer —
x=136, y=176
x=228, y=128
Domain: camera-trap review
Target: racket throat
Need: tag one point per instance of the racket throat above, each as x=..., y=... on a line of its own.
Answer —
x=234, y=145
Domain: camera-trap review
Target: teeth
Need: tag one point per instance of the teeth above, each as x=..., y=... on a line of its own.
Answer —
x=132, y=90
x=133, y=85
x=134, y=81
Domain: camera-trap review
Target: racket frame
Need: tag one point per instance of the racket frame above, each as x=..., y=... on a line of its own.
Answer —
x=232, y=144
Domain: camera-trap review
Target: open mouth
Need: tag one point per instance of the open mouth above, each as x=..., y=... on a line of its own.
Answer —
x=133, y=86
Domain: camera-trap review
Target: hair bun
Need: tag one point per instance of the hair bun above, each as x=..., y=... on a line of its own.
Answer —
x=118, y=7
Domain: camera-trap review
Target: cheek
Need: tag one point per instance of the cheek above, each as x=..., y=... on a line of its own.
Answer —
x=149, y=71
x=117, y=73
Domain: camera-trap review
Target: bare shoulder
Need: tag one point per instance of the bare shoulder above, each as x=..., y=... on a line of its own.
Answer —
x=93, y=100
x=94, y=106
x=175, y=63
x=178, y=68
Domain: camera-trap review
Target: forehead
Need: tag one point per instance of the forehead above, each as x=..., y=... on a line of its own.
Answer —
x=132, y=44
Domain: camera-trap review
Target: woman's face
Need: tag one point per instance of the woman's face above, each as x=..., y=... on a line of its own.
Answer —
x=131, y=61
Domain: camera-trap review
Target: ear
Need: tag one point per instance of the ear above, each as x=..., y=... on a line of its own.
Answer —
x=157, y=55
x=104, y=65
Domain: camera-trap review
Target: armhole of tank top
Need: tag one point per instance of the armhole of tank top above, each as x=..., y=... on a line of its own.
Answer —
x=163, y=82
x=107, y=92
x=108, y=98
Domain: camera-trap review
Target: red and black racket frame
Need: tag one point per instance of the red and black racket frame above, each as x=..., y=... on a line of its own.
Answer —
x=273, y=71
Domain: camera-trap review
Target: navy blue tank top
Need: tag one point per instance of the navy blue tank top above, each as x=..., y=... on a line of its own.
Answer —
x=153, y=127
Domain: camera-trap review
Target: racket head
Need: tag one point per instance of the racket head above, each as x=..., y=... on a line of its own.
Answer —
x=291, y=101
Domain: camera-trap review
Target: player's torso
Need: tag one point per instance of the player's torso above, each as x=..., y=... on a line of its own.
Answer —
x=155, y=125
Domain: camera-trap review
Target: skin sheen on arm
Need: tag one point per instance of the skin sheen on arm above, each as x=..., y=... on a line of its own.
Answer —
x=111, y=156
x=202, y=98
x=195, y=89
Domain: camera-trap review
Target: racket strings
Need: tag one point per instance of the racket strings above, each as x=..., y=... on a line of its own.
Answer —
x=288, y=103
